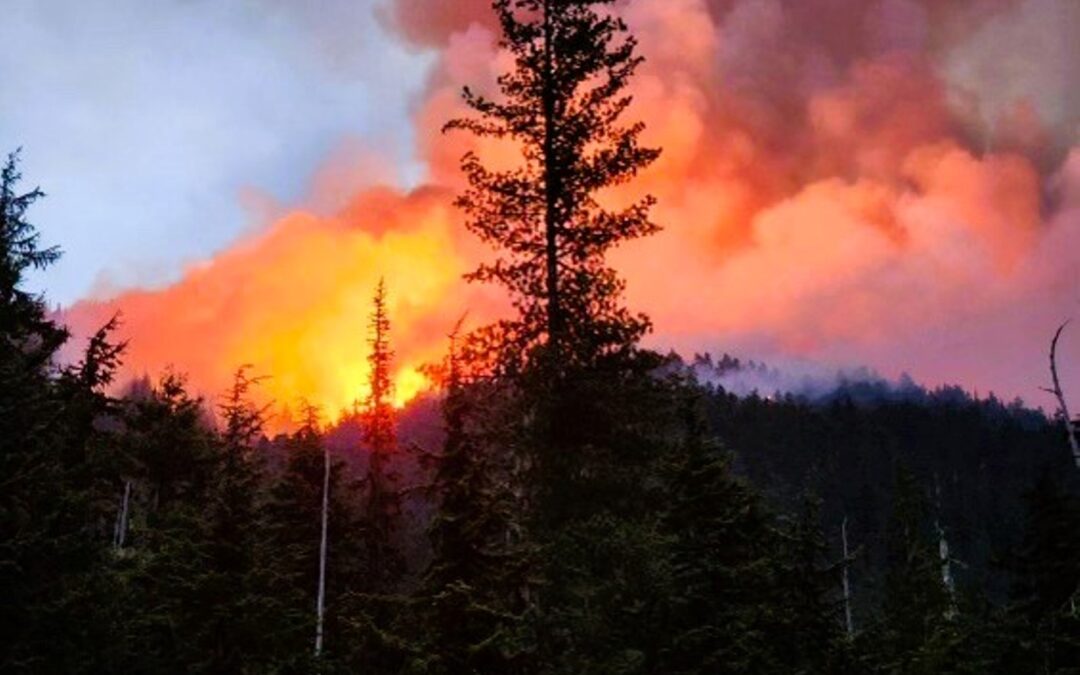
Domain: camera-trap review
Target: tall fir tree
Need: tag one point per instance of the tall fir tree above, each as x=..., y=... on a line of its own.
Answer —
x=166, y=565
x=915, y=633
x=42, y=525
x=584, y=418
x=22, y=314
x=380, y=435
x=562, y=104
x=471, y=604
x=291, y=551
x=1044, y=608
x=235, y=524
x=722, y=560
x=571, y=342
x=809, y=596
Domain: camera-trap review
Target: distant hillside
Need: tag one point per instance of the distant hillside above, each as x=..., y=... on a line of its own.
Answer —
x=816, y=385
x=843, y=444
x=975, y=460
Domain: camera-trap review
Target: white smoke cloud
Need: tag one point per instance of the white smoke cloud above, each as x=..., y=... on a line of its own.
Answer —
x=144, y=121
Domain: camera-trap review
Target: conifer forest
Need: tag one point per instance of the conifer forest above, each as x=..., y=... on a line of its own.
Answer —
x=564, y=401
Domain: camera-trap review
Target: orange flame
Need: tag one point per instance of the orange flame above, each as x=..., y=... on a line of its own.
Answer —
x=294, y=301
x=837, y=198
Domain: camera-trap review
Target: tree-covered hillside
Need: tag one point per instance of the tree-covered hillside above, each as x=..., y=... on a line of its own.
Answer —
x=564, y=501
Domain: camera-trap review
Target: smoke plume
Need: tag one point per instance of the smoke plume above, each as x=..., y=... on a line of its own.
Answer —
x=890, y=183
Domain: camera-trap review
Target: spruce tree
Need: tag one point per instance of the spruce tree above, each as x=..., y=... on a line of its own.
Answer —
x=562, y=104
x=1044, y=608
x=571, y=341
x=165, y=569
x=379, y=426
x=234, y=525
x=583, y=418
x=723, y=559
x=292, y=550
x=95, y=491
x=372, y=604
x=808, y=596
x=22, y=314
x=59, y=457
x=915, y=632
x=41, y=520
x=470, y=605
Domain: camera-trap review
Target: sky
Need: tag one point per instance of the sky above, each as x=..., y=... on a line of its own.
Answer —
x=884, y=183
x=162, y=130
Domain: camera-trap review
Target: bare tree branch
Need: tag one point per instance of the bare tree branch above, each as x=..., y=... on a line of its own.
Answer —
x=848, y=623
x=321, y=602
x=1063, y=407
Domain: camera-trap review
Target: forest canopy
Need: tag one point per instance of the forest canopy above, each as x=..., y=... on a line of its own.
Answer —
x=562, y=500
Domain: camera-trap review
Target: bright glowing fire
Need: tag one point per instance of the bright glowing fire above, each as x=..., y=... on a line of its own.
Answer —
x=875, y=200
x=294, y=302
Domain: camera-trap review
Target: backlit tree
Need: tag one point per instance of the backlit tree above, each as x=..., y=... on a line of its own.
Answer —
x=562, y=104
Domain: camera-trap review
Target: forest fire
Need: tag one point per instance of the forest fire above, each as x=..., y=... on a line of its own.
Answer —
x=891, y=184
x=956, y=206
x=293, y=302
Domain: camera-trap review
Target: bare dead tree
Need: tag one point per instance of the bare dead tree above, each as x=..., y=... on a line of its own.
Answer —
x=1063, y=407
x=321, y=602
x=946, y=569
x=848, y=623
x=943, y=552
x=120, y=531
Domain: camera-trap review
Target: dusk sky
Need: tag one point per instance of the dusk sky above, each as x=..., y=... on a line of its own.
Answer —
x=160, y=129
x=888, y=183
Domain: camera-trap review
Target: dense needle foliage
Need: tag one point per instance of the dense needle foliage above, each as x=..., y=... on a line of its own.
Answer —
x=587, y=506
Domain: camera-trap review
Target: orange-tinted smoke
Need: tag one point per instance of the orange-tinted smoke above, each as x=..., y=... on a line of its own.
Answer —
x=843, y=180
x=294, y=302
x=889, y=182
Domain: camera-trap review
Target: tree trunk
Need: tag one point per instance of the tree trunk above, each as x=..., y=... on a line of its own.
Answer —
x=552, y=188
x=1063, y=407
x=120, y=531
x=848, y=623
x=946, y=569
x=321, y=602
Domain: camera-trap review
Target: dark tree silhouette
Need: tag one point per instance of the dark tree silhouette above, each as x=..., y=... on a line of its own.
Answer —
x=562, y=103
x=583, y=515
x=234, y=526
x=35, y=524
x=473, y=589
x=19, y=246
x=916, y=602
x=379, y=407
x=383, y=500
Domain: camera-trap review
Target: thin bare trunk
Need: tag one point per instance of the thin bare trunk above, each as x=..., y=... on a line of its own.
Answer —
x=943, y=553
x=320, y=603
x=120, y=531
x=116, y=525
x=552, y=189
x=1063, y=407
x=946, y=569
x=849, y=624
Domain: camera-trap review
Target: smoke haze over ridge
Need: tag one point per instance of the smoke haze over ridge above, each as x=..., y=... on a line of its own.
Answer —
x=892, y=183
